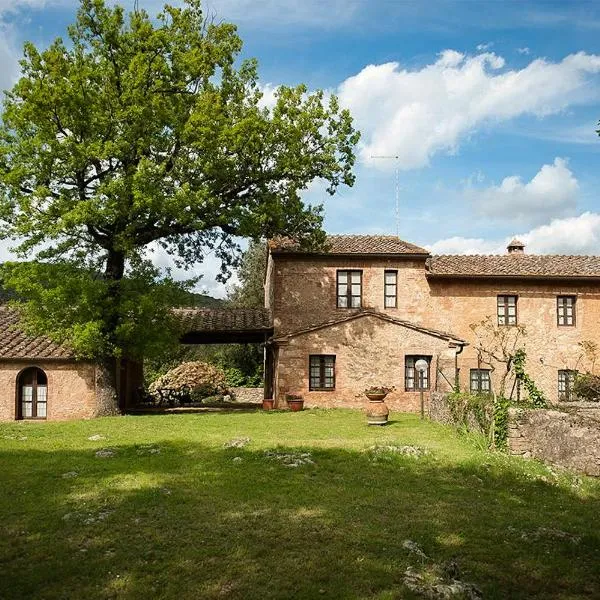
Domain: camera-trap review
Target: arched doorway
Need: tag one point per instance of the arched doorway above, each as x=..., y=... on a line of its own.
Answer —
x=32, y=394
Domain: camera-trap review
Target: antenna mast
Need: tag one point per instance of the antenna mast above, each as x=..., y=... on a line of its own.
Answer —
x=397, y=185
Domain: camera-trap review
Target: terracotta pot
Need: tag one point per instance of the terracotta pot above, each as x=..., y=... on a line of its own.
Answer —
x=377, y=412
x=377, y=397
x=296, y=404
x=268, y=404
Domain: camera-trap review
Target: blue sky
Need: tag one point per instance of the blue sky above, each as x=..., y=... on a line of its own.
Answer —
x=490, y=106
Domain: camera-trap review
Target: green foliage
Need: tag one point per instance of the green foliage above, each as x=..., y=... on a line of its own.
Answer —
x=144, y=132
x=484, y=413
x=471, y=409
x=536, y=397
x=501, y=406
x=70, y=304
x=587, y=387
x=250, y=293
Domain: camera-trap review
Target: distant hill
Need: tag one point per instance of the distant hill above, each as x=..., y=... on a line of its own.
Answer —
x=204, y=301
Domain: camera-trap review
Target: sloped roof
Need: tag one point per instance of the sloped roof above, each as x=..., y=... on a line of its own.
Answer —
x=351, y=244
x=373, y=313
x=510, y=265
x=15, y=344
x=225, y=319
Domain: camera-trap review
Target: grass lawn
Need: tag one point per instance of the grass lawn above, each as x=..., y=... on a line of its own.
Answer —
x=176, y=514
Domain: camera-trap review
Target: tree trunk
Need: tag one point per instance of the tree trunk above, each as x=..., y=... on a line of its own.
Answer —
x=107, y=392
x=108, y=371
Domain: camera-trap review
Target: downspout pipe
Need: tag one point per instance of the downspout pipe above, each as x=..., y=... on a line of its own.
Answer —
x=460, y=347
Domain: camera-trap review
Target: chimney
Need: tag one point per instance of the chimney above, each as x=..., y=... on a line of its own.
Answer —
x=516, y=247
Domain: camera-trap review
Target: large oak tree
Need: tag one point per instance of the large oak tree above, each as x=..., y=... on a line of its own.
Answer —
x=138, y=133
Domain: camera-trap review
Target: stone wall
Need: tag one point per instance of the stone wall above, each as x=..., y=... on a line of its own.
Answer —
x=248, y=394
x=368, y=352
x=565, y=438
x=71, y=389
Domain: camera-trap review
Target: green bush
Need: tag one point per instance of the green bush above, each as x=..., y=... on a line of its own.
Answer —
x=587, y=387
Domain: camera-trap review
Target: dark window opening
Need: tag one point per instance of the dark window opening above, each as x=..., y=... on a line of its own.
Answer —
x=507, y=310
x=32, y=390
x=391, y=289
x=565, y=311
x=322, y=372
x=413, y=379
x=566, y=380
x=349, y=289
x=480, y=381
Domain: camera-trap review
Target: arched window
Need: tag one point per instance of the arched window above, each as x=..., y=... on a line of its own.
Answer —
x=32, y=387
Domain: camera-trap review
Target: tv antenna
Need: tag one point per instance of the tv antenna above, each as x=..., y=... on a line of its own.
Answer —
x=397, y=178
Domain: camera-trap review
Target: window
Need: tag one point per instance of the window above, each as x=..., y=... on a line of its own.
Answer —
x=507, y=310
x=391, y=289
x=413, y=380
x=32, y=387
x=322, y=372
x=480, y=381
x=565, y=310
x=566, y=379
x=349, y=289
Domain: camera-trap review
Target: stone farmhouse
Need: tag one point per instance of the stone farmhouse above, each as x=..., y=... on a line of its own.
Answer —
x=359, y=313
x=363, y=312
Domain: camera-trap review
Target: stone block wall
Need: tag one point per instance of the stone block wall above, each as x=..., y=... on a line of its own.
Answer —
x=567, y=439
x=71, y=389
x=248, y=394
x=368, y=352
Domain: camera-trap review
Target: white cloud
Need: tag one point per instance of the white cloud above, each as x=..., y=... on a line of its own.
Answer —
x=462, y=245
x=416, y=114
x=572, y=235
x=10, y=54
x=552, y=192
x=484, y=47
x=524, y=50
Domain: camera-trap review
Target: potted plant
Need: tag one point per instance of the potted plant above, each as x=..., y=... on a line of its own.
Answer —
x=268, y=404
x=295, y=402
x=377, y=410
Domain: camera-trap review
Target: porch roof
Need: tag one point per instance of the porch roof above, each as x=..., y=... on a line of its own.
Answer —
x=225, y=325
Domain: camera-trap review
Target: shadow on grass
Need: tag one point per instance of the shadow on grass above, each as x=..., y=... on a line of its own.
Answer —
x=180, y=520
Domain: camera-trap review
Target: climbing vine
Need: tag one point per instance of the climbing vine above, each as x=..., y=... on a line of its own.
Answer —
x=536, y=397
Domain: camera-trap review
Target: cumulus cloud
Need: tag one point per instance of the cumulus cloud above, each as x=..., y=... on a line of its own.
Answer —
x=9, y=58
x=524, y=50
x=415, y=114
x=572, y=235
x=552, y=192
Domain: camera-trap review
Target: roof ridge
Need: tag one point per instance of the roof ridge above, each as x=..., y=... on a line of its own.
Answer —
x=374, y=313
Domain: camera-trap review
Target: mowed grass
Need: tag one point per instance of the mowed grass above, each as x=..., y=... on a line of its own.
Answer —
x=176, y=514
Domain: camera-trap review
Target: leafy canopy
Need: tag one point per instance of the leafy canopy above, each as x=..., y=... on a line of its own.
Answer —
x=142, y=133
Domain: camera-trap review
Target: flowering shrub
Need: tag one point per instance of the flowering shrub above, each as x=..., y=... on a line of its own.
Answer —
x=200, y=378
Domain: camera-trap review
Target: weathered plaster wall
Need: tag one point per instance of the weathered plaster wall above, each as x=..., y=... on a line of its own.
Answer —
x=368, y=352
x=568, y=439
x=71, y=389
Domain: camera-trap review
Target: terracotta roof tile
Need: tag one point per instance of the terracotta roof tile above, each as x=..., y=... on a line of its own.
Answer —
x=15, y=344
x=225, y=319
x=352, y=244
x=514, y=265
